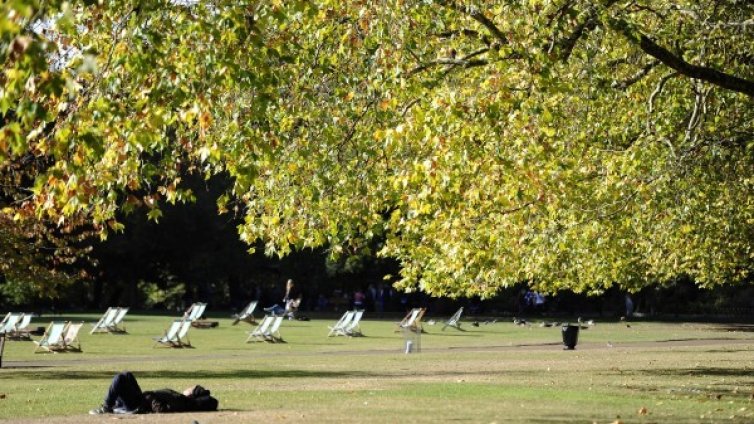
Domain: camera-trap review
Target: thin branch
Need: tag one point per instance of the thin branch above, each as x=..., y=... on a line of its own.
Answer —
x=659, y=88
x=465, y=62
x=474, y=13
x=468, y=33
x=586, y=25
x=622, y=85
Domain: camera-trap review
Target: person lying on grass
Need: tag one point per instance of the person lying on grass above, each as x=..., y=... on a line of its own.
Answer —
x=125, y=397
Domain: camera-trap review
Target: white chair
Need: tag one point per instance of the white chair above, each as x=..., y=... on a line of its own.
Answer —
x=104, y=323
x=183, y=340
x=338, y=328
x=353, y=328
x=258, y=334
x=119, y=316
x=195, y=312
x=71, y=336
x=273, y=334
x=21, y=330
x=247, y=314
x=52, y=339
x=454, y=321
x=412, y=320
x=170, y=338
x=10, y=322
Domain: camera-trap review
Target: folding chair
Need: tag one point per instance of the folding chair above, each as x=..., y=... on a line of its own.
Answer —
x=114, y=325
x=10, y=322
x=273, y=334
x=195, y=312
x=52, y=339
x=258, y=334
x=183, y=340
x=337, y=329
x=170, y=338
x=71, y=336
x=247, y=314
x=21, y=330
x=353, y=328
x=413, y=319
x=104, y=323
x=454, y=321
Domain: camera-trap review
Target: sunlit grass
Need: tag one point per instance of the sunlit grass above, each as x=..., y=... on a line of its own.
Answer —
x=492, y=373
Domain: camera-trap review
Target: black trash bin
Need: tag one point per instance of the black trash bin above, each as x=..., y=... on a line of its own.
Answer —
x=570, y=336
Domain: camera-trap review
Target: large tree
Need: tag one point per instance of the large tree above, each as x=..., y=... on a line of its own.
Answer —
x=572, y=144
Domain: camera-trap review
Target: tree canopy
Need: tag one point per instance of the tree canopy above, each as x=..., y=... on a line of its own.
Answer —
x=572, y=144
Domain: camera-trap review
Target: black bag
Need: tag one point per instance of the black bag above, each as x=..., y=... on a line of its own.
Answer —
x=166, y=400
x=204, y=403
x=200, y=399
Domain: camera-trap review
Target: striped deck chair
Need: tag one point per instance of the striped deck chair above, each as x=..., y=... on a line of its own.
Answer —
x=71, y=336
x=247, y=314
x=454, y=321
x=273, y=334
x=104, y=323
x=21, y=330
x=183, y=340
x=338, y=328
x=195, y=312
x=10, y=322
x=170, y=338
x=353, y=328
x=258, y=334
x=52, y=339
x=412, y=321
x=119, y=316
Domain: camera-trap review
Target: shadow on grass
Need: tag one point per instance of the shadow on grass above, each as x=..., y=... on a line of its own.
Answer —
x=747, y=328
x=693, y=372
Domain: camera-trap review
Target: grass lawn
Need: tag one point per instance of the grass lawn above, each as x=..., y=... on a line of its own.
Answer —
x=646, y=373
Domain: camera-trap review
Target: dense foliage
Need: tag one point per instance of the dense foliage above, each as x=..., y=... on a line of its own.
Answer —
x=573, y=144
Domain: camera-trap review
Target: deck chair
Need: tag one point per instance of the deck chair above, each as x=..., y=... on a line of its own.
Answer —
x=5, y=319
x=353, y=328
x=195, y=312
x=273, y=334
x=412, y=320
x=10, y=322
x=119, y=316
x=338, y=328
x=247, y=314
x=104, y=323
x=52, y=339
x=258, y=334
x=71, y=336
x=21, y=330
x=454, y=321
x=194, y=316
x=183, y=340
x=170, y=338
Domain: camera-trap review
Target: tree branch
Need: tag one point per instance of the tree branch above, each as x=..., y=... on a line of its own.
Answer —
x=474, y=13
x=465, y=62
x=703, y=73
x=622, y=85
